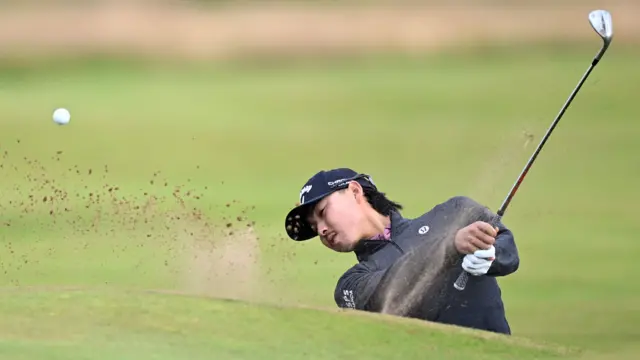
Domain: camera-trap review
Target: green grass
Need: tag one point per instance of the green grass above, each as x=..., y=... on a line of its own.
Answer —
x=130, y=325
x=249, y=135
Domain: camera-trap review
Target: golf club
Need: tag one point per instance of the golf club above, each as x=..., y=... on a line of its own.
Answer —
x=602, y=23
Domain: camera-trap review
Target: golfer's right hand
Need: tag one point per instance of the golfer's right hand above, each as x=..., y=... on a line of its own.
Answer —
x=477, y=236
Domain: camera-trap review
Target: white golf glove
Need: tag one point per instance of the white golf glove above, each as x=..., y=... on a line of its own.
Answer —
x=479, y=262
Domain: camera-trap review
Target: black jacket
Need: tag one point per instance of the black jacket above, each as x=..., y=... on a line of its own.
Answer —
x=413, y=273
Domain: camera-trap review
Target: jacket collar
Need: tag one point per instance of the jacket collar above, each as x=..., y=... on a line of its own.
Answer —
x=367, y=247
x=398, y=224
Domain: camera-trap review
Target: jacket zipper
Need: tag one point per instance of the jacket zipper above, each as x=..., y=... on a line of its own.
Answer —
x=397, y=247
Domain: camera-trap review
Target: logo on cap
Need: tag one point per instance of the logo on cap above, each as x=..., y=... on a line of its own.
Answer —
x=304, y=190
x=337, y=182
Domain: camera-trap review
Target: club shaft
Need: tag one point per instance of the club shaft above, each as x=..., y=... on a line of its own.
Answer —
x=525, y=171
x=462, y=279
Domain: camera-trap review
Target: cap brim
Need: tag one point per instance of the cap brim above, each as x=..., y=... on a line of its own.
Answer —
x=296, y=223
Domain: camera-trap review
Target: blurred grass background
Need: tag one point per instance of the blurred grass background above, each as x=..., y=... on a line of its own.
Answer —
x=186, y=119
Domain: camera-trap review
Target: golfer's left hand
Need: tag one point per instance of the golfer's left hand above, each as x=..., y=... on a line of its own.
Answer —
x=479, y=262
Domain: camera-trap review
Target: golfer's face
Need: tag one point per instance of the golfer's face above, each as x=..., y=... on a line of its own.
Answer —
x=337, y=219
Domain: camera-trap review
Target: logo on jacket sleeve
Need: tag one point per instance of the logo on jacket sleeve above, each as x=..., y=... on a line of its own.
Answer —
x=347, y=296
x=423, y=230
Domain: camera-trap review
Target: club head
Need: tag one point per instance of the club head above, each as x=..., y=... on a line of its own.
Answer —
x=602, y=23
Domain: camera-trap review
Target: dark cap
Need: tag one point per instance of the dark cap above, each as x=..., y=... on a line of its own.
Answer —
x=321, y=185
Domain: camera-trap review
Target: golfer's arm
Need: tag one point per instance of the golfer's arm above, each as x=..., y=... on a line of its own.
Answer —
x=356, y=286
x=507, y=259
x=363, y=288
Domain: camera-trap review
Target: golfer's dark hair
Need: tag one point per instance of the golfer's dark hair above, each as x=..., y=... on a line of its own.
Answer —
x=380, y=203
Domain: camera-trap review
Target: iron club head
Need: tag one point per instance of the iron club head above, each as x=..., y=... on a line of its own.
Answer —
x=603, y=24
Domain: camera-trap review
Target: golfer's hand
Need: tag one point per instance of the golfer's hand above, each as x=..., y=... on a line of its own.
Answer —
x=477, y=236
x=479, y=262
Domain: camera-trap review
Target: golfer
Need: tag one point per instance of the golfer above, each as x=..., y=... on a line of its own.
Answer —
x=408, y=266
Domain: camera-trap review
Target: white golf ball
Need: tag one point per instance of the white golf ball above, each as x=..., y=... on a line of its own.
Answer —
x=61, y=116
